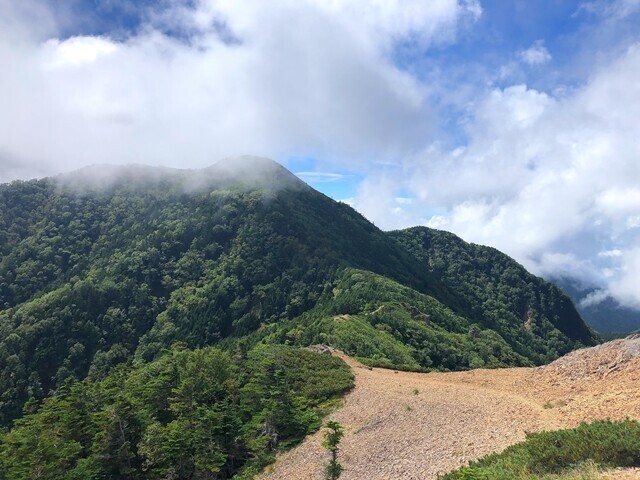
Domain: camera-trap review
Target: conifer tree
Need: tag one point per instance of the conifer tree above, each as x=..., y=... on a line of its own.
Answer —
x=332, y=439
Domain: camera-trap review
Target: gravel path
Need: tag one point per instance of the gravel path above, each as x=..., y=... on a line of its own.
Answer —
x=401, y=425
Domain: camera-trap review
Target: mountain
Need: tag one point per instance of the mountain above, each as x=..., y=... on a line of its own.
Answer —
x=493, y=290
x=606, y=316
x=109, y=265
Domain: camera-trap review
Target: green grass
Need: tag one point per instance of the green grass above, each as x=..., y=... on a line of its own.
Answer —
x=577, y=453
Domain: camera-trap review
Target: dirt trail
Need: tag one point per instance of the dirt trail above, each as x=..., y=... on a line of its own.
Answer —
x=401, y=425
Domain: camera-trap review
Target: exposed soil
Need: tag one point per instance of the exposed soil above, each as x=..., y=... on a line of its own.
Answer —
x=623, y=474
x=401, y=425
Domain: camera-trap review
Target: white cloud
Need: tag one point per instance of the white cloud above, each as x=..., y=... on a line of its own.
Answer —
x=551, y=181
x=320, y=177
x=536, y=54
x=16, y=15
x=569, y=265
x=76, y=51
x=625, y=286
x=614, y=201
x=633, y=222
x=594, y=298
x=611, y=9
x=610, y=253
x=377, y=200
x=404, y=200
x=276, y=78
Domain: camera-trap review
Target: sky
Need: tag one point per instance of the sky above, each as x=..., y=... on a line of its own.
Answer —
x=511, y=123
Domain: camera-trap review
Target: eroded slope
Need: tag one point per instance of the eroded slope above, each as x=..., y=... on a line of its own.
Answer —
x=415, y=425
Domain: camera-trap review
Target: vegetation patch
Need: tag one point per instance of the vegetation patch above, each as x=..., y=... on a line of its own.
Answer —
x=563, y=454
x=190, y=414
x=385, y=324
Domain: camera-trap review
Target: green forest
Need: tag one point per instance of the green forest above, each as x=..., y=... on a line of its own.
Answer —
x=132, y=307
x=198, y=414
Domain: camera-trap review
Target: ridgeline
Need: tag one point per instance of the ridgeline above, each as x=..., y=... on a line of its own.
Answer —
x=112, y=274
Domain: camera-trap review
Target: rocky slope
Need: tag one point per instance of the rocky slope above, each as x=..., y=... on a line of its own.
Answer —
x=415, y=426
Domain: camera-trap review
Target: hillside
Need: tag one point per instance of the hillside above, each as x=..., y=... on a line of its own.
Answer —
x=416, y=426
x=490, y=288
x=190, y=414
x=95, y=269
x=384, y=323
x=114, y=264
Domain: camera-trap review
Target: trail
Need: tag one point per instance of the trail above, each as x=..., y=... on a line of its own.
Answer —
x=402, y=425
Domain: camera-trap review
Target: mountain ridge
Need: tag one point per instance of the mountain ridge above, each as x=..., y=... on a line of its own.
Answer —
x=91, y=279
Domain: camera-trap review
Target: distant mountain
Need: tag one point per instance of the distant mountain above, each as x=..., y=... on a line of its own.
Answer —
x=605, y=316
x=109, y=265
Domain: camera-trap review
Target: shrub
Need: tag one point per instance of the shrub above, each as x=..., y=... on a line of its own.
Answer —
x=603, y=443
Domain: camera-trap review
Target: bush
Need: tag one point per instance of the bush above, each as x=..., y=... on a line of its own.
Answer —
x=605, y=443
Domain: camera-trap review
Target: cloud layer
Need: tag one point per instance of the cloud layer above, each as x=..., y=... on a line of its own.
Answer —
x=274, y=78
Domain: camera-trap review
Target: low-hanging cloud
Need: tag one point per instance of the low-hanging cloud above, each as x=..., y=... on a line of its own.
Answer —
x=275, y=78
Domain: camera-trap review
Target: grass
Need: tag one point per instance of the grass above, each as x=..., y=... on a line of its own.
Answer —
x=570, y=454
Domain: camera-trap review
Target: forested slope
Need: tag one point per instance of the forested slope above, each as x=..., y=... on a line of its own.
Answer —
x=385, y=324
x=112, y=264
x=88, y=270
x=190, y=414
x=534, y=316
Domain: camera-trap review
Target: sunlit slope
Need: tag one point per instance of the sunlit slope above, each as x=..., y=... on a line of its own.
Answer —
x=384, y=323
x=534, y=316
x=108, y=263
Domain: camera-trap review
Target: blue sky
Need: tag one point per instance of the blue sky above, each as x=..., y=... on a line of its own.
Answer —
x=475, y=59
x=509, y=122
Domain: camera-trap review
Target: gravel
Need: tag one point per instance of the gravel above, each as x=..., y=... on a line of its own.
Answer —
x=401, y=425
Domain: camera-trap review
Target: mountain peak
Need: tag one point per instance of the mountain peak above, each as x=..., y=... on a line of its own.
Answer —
x=254, y=172
x=244, y=171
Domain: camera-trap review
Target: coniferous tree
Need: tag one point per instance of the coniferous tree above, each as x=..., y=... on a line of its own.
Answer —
x=332, y=438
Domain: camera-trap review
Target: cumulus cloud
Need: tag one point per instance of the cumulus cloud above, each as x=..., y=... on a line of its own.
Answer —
x=75, y=52
x=553, y=181
x=537, y=54
x=378, y=200
x=625, y=285
x=274, y=78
